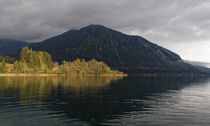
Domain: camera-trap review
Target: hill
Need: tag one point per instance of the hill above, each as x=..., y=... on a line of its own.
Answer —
x=197, y=63
x=131, y=54
x=201, y=66
x=9, y=46
x=203, y=69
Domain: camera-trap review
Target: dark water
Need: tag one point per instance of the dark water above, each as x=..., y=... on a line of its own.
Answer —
x=53, y=101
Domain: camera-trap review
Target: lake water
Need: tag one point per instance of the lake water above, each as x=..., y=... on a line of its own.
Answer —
x=60, y=101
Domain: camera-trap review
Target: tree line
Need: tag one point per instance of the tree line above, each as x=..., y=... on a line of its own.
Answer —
x=41, y=62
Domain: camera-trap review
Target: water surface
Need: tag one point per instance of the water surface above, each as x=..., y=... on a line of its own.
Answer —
x=55, y=101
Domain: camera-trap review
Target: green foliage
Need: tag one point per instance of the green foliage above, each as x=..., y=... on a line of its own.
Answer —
x=41, y=62
x=24, y=55
x=7, y=59
x=82, y=68
x=17, y=66
x=20, y=67
x=3, y=68
x=32, y=61
x=45, y=60
x=30, y=57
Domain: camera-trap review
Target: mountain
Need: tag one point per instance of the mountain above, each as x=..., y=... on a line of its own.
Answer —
x=201, y=66
x=203, y=69
x=132, y=54
x=198, y=63
x=9, y=46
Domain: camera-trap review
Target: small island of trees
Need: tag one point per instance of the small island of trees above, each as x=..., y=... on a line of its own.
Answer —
x=33, y=62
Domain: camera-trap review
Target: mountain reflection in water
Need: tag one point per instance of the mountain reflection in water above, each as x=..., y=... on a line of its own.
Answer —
x=93, y=100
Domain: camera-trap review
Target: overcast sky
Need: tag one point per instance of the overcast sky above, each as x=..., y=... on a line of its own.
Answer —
x=182, y=26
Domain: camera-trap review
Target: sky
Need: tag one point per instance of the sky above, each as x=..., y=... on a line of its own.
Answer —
x=182, y=26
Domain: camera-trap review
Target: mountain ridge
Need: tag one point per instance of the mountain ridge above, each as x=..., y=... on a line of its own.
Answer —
x=7, y=46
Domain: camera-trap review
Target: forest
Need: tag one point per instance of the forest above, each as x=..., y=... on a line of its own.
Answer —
x=41, y=62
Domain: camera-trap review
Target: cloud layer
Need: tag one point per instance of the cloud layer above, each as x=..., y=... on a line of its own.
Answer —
x=173, y=24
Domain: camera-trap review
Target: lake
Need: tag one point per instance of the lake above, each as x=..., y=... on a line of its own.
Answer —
x=61, y=101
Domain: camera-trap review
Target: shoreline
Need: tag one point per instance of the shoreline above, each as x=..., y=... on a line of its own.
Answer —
x=57, y=75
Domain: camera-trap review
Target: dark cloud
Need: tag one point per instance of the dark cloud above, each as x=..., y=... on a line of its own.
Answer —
x=166, y=22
